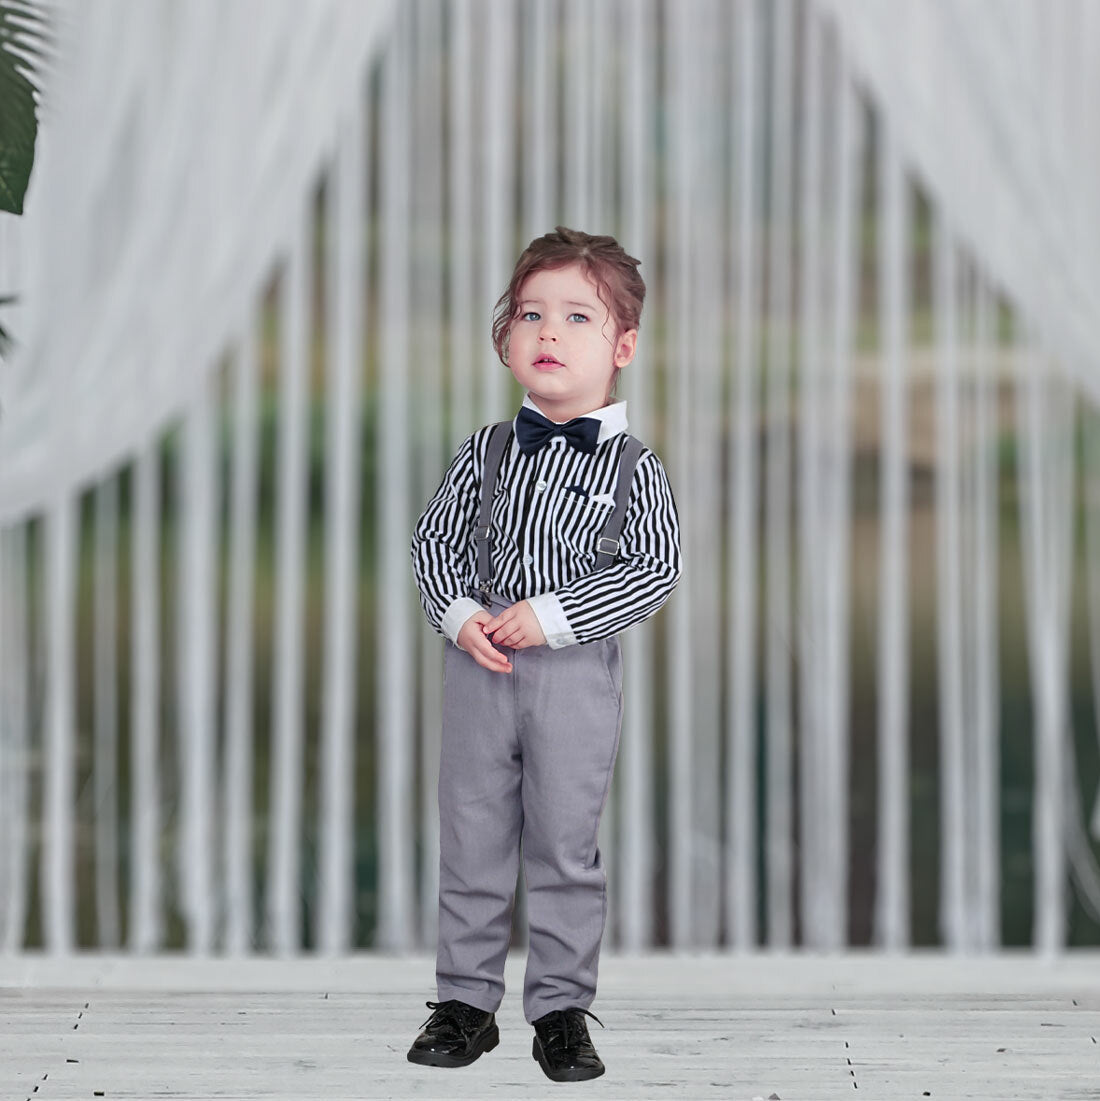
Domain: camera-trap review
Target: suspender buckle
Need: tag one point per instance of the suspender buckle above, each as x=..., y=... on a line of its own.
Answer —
x=612, y=549
x=481, y=534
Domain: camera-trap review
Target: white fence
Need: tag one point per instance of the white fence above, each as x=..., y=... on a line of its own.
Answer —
x=258, y=261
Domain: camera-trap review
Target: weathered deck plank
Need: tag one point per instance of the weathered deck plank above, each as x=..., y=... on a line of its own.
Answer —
x=697, y=1026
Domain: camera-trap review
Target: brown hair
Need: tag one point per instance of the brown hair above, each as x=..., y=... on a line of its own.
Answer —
x=602, y=259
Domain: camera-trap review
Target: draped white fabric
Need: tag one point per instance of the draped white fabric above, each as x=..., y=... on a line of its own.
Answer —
x=256, y=271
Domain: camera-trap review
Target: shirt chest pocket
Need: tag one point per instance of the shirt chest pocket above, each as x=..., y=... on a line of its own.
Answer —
x=579, y=522
x=504, y=538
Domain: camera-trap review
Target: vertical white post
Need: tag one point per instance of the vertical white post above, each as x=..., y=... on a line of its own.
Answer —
x=778, y=636
x=987, y=761
x=461, y=148
x=344, y=341
x=576, y=143
x=636, y=885
x=949, y=586
x=968, y=611
x=599, y=146
x=58, y=866
x=236, y=929
x=498, y=136
x=892, y=900
x=14, y=734
x=813, y=281
x=284, y=862
x=838, y=484
x=1045, y=412
x=146, y=912
x=105, y=677
x=682, y=847
x=1091, y=478
x=599, y=221
x=742, y=888
x=540, y=33
x=394, y=769
x=237, y=807
x=427, y=351
x=708, y=303
x=197, y=671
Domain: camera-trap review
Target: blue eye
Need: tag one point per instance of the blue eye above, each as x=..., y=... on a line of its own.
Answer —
x=530, y=315
x=583, y=317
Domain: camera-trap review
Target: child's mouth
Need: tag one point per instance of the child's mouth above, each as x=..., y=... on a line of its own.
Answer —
x=547, y=363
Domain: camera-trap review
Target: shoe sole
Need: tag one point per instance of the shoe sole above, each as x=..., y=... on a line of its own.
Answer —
x=576, y=1074
x=440, y=1059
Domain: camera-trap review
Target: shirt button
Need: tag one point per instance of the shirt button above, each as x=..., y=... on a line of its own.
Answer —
x=527, y=560
x=540, y=485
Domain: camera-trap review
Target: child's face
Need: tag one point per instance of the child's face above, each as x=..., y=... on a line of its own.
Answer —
x=563, y=347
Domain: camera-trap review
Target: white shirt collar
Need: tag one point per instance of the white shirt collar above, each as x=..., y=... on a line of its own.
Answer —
x=612, y=417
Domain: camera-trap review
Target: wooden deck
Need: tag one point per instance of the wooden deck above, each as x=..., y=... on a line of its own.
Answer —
x=737, y=1027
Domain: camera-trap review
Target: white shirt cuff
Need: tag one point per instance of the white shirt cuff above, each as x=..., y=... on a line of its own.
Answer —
x=457, y=614
x=551, y=616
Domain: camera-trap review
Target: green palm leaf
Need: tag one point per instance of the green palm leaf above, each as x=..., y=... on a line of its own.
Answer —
x=23, y=42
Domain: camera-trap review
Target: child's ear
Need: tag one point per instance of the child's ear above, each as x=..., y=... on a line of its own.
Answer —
x=625, y=347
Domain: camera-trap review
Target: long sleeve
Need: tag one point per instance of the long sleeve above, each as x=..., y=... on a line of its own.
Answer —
x=442, y=541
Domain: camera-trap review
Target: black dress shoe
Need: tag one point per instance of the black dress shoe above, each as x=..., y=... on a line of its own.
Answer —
x=563, y=1047
x=454, y=1035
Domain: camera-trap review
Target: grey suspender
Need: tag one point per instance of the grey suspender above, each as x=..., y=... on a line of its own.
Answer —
x=607, y=549
x=498, y=438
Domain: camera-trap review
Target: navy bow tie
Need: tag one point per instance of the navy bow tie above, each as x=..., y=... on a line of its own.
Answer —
x=533, y=430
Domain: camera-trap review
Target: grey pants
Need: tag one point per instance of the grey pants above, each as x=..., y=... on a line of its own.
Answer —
x=526, y=756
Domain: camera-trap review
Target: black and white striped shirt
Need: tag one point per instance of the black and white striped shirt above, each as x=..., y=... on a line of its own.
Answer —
x=548, y=512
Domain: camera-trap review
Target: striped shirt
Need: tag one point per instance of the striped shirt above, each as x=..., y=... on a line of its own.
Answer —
x=548, y=512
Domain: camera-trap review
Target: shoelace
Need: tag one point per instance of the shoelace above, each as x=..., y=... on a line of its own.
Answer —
x=450, y=1013
x=566, y=1026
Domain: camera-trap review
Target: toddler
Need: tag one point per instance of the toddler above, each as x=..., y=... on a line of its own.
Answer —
x=548, y=535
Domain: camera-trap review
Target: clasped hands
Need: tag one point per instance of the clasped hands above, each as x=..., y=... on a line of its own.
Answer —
x=516, y=627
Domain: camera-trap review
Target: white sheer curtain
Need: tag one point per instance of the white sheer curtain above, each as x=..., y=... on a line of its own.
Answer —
x=257, y=266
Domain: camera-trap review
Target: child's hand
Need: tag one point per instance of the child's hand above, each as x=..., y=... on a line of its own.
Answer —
x=517, y=626
x=471, y=638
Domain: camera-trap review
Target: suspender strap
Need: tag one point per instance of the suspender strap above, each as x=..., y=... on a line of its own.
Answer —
x=498, y=440
x=607, y=549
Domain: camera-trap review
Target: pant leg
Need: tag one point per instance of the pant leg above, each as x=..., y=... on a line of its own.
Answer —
x=480, y=819
x=570, y=716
